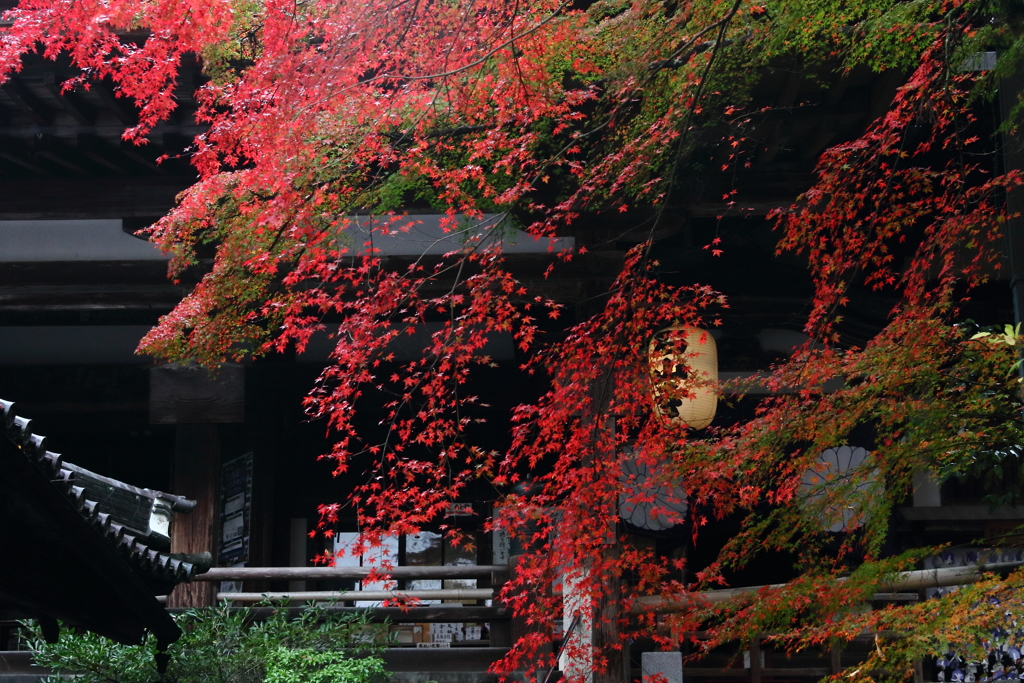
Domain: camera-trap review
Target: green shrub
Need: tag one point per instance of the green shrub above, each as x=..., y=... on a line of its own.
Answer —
x=223, y=646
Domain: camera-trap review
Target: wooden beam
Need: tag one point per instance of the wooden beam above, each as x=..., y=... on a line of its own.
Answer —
x=85, y=273
x=62, y=154
x=905, y=581
x=118, y=106
x=896, y=597
x=428, y=613
x=131, y=151
x=49, y=408
x=115, y=297
x=100, y=152
x=123, y=157
x=89, y=197
x=327, y=596
x=960, y=513
x=25, y=100
x=21, y=155
x=742, y=207
x=61, y=161
x=326, y=573
x=67, y=101
x=21, y=161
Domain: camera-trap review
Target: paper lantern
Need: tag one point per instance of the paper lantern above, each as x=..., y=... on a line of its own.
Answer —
x=684, y=369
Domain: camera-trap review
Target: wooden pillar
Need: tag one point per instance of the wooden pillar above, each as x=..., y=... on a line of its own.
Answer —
x=298, y=556
x=196, y=400
x=265, y=431
x=500, y=630
x=196, y=476
x=755, y=659
x=607, y=638
x=1010, y=90
x=605, y=634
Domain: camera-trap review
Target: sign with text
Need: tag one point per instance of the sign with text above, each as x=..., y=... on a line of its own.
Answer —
x=236, y=508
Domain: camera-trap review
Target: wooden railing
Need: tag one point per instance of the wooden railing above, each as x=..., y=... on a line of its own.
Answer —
x=497, y=574
x=759, y=663
x=907, y=586
x=317, y=573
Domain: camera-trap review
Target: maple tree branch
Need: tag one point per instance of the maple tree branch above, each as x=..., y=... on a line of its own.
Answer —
x=487, y=55
x=455, y=131
x=715, y=45
x=681, y=59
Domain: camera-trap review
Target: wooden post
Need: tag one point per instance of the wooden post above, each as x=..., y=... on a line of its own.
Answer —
x=500, y=631
x=196, y=476
x=836, y=656
x=755, y=658
x=265, y=431
x=191, y=398
x=605, y=635
x=606, y=629
x=1013, y=159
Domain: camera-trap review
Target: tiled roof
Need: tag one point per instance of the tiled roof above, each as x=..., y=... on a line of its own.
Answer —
x=141, y=546
x=83, y=549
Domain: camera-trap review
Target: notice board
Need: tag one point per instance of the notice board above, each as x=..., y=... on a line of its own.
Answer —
x=236, y=511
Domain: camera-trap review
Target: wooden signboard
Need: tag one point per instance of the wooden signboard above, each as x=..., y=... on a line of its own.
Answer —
x=181, y=394
x=236, y=512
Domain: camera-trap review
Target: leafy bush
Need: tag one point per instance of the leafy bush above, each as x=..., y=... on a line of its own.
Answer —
x=219, y=645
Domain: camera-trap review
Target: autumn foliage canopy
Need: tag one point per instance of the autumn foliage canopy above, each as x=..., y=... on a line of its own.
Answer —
x=323, y=112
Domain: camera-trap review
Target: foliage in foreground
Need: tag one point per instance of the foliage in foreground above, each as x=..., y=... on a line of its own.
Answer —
x=324, y=112
x=221, y=646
